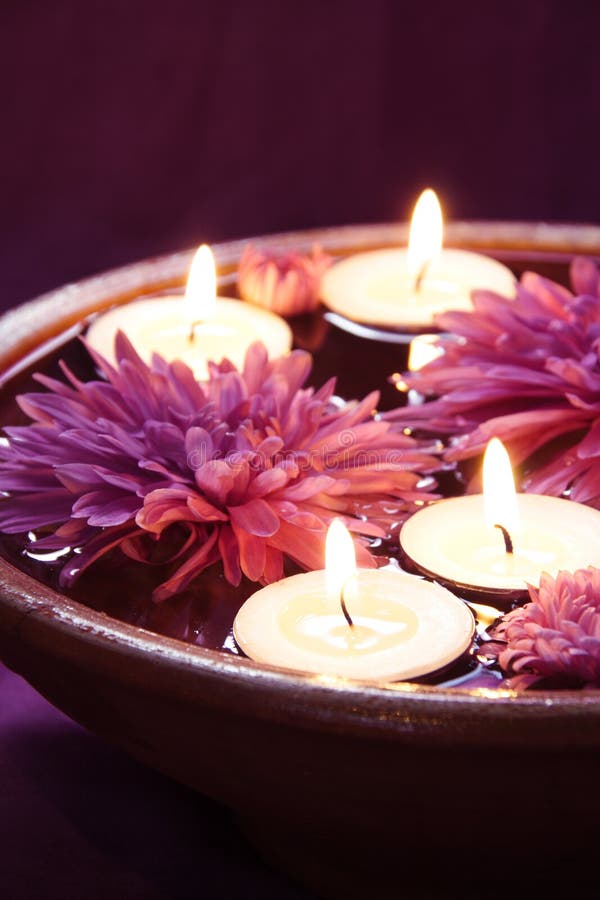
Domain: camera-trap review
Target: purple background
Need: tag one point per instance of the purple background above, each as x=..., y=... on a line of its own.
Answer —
x=134, y=128
x=80, y=820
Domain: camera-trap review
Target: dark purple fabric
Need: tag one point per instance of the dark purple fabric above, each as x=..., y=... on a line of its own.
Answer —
x=79, y=819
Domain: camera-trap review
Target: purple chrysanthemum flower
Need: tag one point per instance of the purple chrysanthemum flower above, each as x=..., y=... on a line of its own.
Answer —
x=527, y=371
x=555, y=639
x=247, y=467
x=287, y=283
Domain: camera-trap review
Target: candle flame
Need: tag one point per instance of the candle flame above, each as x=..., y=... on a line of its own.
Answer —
x=499, y=494
x=426, y=233
x=201, y=287
x=340, y=558
x=423, y=349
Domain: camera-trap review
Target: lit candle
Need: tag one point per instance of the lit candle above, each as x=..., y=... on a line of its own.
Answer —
x=369, y=624
x=194, y=328
x=405, y=288
x=424, y=348
x=500, y=541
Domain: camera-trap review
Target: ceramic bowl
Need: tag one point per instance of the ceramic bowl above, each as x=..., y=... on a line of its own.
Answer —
x=340, y=783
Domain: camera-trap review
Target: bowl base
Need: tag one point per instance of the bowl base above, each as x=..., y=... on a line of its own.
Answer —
x=351, y=865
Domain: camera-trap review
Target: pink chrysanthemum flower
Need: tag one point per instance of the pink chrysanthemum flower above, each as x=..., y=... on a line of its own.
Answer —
x=527, y=371
x=247, y=467
x=555, y=639
x=287, y=283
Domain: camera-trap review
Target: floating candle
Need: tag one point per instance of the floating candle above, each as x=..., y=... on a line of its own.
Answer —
x=194, y=328
x=500, y=541
x=423, y=349
x=405, y=288
x=370, y=624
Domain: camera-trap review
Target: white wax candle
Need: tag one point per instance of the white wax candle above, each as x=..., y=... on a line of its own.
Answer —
x=221, y=326
x=398, y=287
x=403, y=626
x=376, y=288
x=452, y=540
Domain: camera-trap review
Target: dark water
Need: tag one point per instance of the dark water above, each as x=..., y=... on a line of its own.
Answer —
x=203, y=614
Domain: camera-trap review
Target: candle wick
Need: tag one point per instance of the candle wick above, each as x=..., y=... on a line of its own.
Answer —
x=192, y=334
x=421, y=276
x=347, y=615
x=508, y=544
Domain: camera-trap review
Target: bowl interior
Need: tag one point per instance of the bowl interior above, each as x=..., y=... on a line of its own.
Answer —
x=35, y=617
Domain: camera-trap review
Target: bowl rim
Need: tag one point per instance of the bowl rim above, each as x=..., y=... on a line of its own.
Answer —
x=36, y=614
